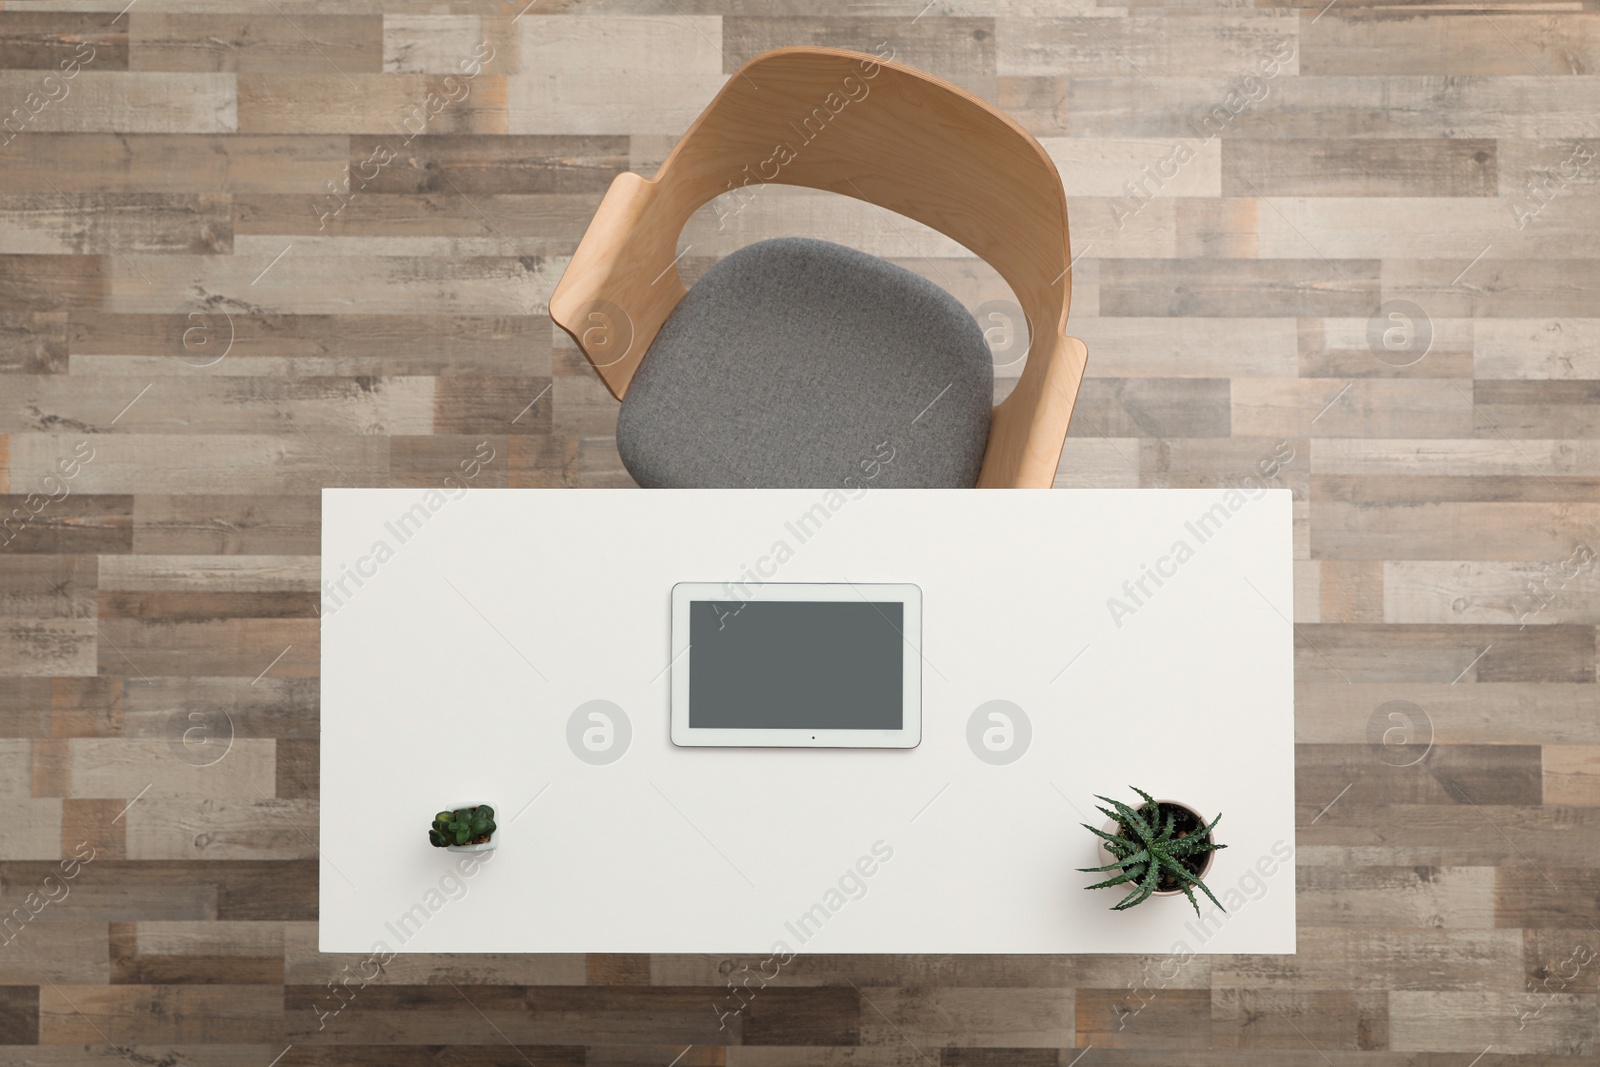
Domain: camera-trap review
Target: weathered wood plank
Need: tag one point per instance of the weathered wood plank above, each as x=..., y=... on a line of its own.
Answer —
x=333, y=345
x=62, y=947
x=173, y=163
x=226, y=525
x=133, y=1014
x=244, y=647
x=61, y=41
x=1350, y=590
x=50, y=282
x=1572, y=774
x=1542, y=593
x=33, y=342
x=264, y=41
x=1136, y=168
x=269, y=463
x=966, y=1016
x=1386, y=344
x=1359, y=167
x=1446, y=774
x=110, y=768
x=34, y=832
x=439, y=43
x=424, y=462
x=1382, y=897
x=1562, y=896
x=306, y=966
x=129, y=966
x=312, y=284
x=1458, y=229
x=271, y=706
x=1318, y=408
x=1518, y=713
x=1322, y=1020
x=1247, y=288
x=1490, y=489
x=1558, y=349
x=47, y=586
x=1390, y=106
x=72, y=525
x=1469, y=1022
x=1499, y=288
x=567, y=85
x=499, y=405
x=1390, y=959
x=1506, y=44
x=1153, y=407
x=59, y=223
x=1117, y=1019
x=1417, y=653
x=253, y=827
x=45, y=647
x=1449, y=530
x=222, y=405
x=1231, y=44
x=961, y=50
x=478, y=165
x=105, y=101
x=1430, y=835
x=209, y=574
x=1481, y=458
x=396, y=105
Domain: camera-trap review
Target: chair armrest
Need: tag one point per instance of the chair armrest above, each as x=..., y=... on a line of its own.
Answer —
x=619, y=286
x=1029, y=428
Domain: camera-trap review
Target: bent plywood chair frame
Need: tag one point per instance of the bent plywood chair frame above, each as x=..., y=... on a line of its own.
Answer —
x=879, y=131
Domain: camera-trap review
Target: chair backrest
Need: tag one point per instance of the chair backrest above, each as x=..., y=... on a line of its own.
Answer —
x=866, y=127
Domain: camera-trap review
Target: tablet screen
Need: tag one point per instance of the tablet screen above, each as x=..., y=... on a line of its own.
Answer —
x=796, y=665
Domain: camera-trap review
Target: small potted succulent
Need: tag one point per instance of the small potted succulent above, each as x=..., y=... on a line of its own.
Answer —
x=1161, y=848
x=467, y=828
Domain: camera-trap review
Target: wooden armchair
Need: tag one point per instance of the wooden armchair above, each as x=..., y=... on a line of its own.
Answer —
x=912, y=144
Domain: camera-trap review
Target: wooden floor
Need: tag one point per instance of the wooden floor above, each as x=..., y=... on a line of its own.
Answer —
x=1364, y=234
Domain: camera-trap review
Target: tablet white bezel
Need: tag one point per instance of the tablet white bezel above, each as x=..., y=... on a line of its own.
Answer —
x=908, y=736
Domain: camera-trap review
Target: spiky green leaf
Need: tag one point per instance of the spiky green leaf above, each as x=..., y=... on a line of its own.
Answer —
x=1146, y=848
x=1147, y=886
x=1125, y=876
x=1137, y=857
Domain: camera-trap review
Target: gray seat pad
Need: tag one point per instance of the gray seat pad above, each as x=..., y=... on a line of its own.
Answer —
x=796, y=363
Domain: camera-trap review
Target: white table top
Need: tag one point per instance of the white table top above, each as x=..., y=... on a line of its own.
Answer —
x=482, y=623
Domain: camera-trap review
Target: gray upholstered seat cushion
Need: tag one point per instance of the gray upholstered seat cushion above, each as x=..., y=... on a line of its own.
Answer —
x=798, y=364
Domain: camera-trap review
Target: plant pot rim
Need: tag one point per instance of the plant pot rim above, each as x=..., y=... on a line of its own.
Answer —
x=1111, y=826
x=482, y=846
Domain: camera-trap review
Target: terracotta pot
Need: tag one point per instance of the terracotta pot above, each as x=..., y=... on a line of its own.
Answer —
x=1111, y=827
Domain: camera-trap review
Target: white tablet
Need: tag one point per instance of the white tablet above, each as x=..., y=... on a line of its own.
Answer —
x=799, y=665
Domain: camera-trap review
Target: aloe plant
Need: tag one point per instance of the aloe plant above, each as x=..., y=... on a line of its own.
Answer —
x=1149, y=851
x=464, y=826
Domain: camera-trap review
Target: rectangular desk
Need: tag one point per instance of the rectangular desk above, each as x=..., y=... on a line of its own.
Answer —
x=469, y=640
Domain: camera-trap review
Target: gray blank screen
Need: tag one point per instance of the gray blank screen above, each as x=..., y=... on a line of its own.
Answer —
x=796, y=665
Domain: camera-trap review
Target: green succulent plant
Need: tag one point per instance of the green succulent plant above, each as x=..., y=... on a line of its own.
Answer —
x=1149, y=850
x=464, y=826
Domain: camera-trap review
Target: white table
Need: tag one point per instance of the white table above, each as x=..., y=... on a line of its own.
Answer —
x=483, y=623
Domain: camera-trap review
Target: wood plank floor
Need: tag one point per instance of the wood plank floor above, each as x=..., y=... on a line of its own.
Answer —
x=251, y=249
